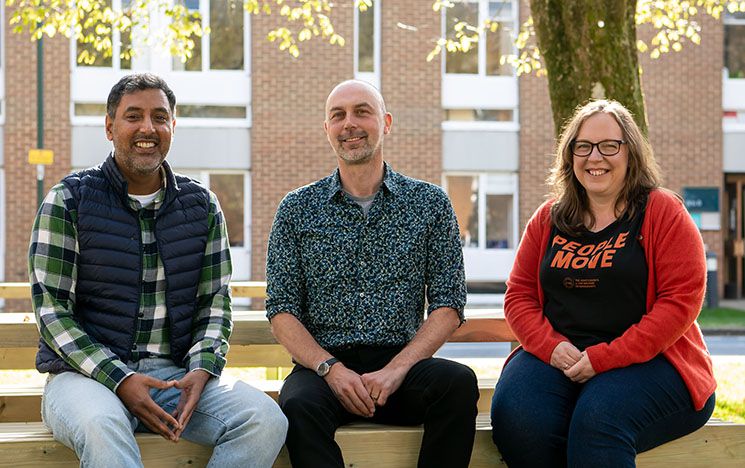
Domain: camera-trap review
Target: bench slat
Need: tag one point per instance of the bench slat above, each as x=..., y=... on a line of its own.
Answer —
x=365, y=445
x=239, y=356
x=254, y=289
x=23, y=403
x=252, y=342
x=17, y=358
x=18, y=330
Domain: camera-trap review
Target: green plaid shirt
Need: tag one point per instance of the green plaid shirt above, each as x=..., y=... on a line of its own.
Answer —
x=52, y=266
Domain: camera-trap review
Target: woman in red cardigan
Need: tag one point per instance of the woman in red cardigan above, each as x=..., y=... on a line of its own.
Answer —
x=604, y=293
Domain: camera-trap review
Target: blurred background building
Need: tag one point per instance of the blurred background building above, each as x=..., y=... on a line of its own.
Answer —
x=249, y=123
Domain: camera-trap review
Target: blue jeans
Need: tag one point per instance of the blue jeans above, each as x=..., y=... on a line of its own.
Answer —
x=243, y=424
x=540, y=418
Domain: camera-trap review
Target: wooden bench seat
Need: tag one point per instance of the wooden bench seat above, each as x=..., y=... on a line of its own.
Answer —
x=718, y=444
x=251, y=344
x=22, y=403
x=27, y=443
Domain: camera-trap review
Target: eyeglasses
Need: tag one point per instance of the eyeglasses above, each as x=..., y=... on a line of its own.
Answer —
x=583, y=148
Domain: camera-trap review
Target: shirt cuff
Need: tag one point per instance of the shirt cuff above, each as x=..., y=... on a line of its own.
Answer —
x=459, y=309
x=208, y=361
x=275, y=309
x=112, y=374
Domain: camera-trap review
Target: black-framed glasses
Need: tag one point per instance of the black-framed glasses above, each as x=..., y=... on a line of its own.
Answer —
x=583, y=148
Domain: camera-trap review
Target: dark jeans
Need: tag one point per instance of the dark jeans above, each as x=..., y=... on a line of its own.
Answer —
x=540, y=418
x=438, y=393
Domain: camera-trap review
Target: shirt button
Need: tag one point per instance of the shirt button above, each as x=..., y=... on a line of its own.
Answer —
x=362, y=294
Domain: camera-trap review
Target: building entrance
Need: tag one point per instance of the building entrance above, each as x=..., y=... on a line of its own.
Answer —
x=734, y=231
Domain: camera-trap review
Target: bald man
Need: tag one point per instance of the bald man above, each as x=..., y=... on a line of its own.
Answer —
x=351, y=259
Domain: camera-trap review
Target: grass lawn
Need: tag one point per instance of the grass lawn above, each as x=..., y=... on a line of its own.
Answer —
x=722, y=318
x=730, y=374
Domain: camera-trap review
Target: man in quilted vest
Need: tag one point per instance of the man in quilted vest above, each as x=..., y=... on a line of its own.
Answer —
x=129, y=265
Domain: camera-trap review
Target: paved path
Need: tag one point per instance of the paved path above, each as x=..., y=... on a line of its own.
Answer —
x=732, y=303
x=718, y=346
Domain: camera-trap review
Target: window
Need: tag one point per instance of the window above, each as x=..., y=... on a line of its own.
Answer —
x=89, y=109
x=217, y=50
x=477, y=91
x=484, y=58
x=233, y=191
x=499, y=221
x=367, y=43
x=479, y=115
x=213, y=86
x=2, y=69
x=734, y=45
x=484, y=205
x=229, y=189
x=464, y=193
x=120, y=41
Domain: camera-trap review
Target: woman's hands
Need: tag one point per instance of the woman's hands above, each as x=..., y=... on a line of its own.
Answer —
x=582, y=371
x=565, y=355
x=572, y=362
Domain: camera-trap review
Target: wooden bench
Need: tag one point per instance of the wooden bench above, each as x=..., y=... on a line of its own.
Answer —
x=252, y=345
x=24, y=441
x=718, y=445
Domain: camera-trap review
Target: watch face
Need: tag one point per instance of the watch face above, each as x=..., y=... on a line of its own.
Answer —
x=323, y=369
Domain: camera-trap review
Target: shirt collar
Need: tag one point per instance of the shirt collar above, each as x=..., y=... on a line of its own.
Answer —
x=390, y=182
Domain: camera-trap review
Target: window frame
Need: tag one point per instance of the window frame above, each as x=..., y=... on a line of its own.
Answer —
x=733, y=89
x=729, y=20
x=483, y=15
x=91, y=85
x=492, y=264
x=203, y=175
x=3, y=40
x=477, y=90
x=508, y=187
x=374, y=76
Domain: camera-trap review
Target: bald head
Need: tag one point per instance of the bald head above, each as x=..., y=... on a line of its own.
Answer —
x=356, y=122
x=358, y=87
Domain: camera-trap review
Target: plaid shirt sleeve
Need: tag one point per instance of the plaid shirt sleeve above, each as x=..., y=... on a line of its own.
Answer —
x=53, y=256
x=213, y=322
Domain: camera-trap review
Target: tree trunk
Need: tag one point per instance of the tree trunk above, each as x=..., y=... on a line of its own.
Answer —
x=589, y=49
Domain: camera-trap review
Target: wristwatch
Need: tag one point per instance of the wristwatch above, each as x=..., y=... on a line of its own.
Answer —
x=325, y=366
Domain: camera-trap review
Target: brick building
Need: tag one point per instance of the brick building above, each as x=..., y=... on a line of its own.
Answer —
x=250, y=123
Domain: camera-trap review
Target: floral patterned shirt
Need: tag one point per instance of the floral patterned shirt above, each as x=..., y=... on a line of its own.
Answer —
x=356, y=280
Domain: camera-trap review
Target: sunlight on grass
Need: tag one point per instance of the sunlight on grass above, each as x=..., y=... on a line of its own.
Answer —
x=730, y=374
x=722, y=318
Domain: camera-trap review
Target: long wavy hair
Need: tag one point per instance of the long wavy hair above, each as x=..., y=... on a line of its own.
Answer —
x=571, y=208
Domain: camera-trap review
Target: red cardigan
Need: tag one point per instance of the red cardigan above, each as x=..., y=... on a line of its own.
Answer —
x=675, y=291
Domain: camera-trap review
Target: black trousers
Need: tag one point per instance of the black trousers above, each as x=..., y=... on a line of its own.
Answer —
x=438, y=393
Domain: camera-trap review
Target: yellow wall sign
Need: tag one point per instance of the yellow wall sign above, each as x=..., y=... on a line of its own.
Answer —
x=40, y=156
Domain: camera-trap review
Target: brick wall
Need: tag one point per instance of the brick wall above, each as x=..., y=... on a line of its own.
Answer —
x=288, y=144
x=20, y=136
x=289, y=148
x=536, y=138
x=683, y=95
x=411, y=87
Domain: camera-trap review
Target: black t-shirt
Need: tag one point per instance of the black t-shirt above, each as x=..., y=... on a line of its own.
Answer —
x=595, y=284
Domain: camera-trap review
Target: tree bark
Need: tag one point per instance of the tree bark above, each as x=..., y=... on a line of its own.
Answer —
x=589, y=49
